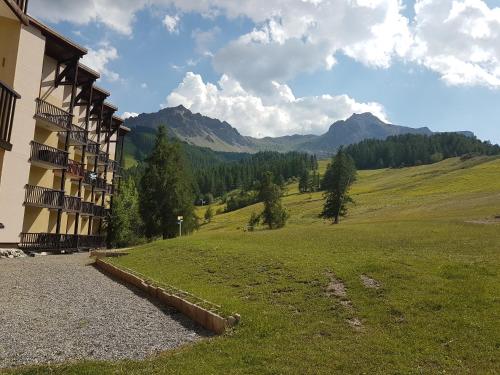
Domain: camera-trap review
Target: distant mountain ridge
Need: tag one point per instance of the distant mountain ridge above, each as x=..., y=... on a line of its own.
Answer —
x=203, y=131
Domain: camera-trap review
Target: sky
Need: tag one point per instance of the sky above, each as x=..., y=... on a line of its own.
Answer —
x=281, y=67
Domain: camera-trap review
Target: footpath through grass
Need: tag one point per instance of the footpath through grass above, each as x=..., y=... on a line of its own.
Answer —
x=437, y=309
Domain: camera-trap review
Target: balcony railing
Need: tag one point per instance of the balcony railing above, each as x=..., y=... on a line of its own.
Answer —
x=110, y=189
x=102, y=158
x=91, y=179
x=77, y=136
x=115, y=167
x=72, y=204
x=55, y=118
x=37, y=196
x=87, y=209
x=59, y=242
x=75, y=169
x=8, y=98
x=92, y=148
x=48, y=157
x=99, y=211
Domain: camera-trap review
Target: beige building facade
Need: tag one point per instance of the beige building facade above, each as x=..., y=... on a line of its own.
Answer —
x=61, y=144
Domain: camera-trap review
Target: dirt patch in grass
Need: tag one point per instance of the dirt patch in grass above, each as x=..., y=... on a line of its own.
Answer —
x=335, y=287
x=370, y=283
x=487, y=221
x=355, y=324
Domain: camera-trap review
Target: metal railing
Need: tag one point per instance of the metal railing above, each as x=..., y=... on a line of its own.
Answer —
x=77, y=135
x=53, y=114
x=72, y=204
x=8, y=98
x=102, y=158
x=48, y=155
x=115, y=167
x=43, y=197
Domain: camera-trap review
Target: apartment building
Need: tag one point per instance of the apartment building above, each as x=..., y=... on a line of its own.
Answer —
x=61, y=144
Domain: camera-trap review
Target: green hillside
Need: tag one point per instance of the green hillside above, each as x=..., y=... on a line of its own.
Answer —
x=427, y=236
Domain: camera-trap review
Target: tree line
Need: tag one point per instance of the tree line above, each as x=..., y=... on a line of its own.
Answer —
x=415, y=149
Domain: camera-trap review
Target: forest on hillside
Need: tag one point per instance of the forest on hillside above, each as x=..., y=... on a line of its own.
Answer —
x=414, y=149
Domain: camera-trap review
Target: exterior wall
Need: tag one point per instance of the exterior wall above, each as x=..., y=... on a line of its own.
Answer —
x=16, y=164
x=10, y=31
x=58, y=96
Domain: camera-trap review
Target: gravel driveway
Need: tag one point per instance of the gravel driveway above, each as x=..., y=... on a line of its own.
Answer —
x=59, y=308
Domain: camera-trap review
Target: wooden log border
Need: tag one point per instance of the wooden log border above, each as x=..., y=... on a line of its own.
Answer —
x=206, y=318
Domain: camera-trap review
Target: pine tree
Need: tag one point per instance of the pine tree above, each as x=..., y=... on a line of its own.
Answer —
x=209, y=214
x=339, y=176
x=304, y=183
x=125, y=224
x=165, y=191
x=274, y=215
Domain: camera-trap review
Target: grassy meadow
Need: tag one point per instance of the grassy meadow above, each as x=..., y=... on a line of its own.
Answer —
x=425, y=234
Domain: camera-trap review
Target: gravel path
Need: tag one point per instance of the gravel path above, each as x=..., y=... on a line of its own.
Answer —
x=59, y=308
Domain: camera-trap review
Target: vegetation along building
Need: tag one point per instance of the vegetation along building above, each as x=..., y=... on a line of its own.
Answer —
x=60, y=143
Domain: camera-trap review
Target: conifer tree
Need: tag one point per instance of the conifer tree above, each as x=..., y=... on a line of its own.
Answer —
x=125, y=224
x=165, y=191
x=304, y=181
x=339, y=176
x=209, y=214
x=274, y=215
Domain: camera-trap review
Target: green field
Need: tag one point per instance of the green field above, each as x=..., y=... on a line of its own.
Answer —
x=426, y=234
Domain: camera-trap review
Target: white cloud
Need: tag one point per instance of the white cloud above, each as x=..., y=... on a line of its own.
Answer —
x=144, y=85
x=460, y=40
x=172, y=23
x=127, y=115
x=98, y=59
x=279, y=114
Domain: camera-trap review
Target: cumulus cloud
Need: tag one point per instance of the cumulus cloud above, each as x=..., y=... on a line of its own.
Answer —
x=127, y=115
x=460, y=40
x=172, y=23
x=98, y=59
x=280, y=114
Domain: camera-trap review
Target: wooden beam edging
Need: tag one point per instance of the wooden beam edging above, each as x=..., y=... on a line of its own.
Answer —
x=207, y=319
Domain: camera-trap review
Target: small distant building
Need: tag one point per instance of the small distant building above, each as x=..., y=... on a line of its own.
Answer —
x=61, y=145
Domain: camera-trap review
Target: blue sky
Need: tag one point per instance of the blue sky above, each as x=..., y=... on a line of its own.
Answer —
x=279, y=67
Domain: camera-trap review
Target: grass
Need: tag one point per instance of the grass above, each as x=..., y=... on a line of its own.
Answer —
x=438, y=310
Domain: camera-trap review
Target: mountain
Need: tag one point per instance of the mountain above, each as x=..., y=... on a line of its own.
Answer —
x=355, y=129
x=203, y=131
x=194, y=129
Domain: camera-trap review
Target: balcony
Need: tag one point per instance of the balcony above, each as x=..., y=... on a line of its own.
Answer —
x=99, y=211
x=60, y=242
x=77, y=136
x=102, y=158
x=92, y=148
x=41, y=197
x=115, y=167
x=72, y=204
x=110, y=189
x=87, y=209
x=8, y=98
x=51, y=117
x=48, y=157
x=91, y=179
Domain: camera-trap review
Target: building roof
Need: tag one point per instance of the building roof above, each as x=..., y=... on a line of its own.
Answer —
x=86, y=75
x=58, y=46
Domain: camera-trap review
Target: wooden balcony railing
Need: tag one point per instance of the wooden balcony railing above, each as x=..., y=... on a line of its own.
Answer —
x=60, y=242
x=102, y=158
x=59, y=119
x=8, y=98
x=75, y=169
x=115, y=167
x=87, y=209
x=110, y=189
x=47, y=156
x=92, y=179
x=72, y=204
x=37, y=196
x=77, y=136
x=99, y=211
x=92, y=148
